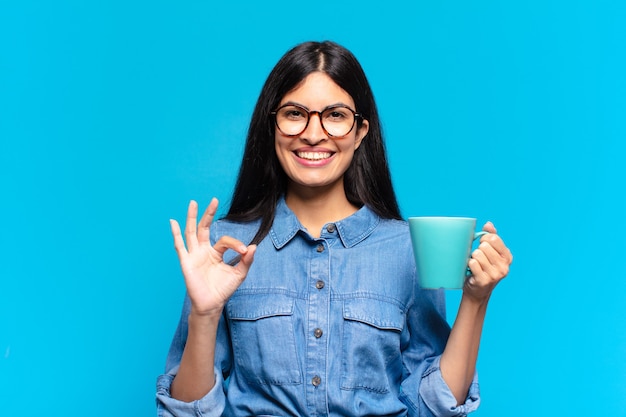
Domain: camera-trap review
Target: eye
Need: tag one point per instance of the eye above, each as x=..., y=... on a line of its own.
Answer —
x=337, y=114
x=293, y=113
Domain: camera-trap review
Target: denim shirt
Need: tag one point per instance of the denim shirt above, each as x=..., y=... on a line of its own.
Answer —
x=328, y=326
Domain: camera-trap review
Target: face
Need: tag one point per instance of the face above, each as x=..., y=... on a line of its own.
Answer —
x=313, y=159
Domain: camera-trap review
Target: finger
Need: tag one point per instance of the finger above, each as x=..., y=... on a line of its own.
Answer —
x=476, y=269
x=499, y=264
x=489, y=227
x=227, y=242
x=240, y=271
x=206, y=221
x=190, y=226
x=179, y=243
x=246, y=260
x=487, y=269
x=498, y=244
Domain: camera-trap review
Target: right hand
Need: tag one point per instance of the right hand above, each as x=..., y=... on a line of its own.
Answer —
x=210, y=282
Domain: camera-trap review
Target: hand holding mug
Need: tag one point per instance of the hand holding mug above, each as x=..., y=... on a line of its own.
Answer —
x=442, y=246
x=489, y=264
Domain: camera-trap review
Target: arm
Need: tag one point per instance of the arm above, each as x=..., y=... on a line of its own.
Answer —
x=489, y=265
x=196, y=377
x=210, y=283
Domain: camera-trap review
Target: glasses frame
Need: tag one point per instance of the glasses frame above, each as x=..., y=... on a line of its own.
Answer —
x=308, y=112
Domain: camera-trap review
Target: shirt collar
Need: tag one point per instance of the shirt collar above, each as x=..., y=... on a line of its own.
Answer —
x=351, y=230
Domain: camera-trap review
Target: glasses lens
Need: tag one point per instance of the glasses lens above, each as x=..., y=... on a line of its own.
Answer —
x=291, y=120
x=338, y=121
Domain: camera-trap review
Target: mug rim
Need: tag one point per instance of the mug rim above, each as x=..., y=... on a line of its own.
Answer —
x=441, y=218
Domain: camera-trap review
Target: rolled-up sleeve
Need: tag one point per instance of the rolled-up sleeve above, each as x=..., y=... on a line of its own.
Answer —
x=423, y=389
x=211, y=405
x=438, y=397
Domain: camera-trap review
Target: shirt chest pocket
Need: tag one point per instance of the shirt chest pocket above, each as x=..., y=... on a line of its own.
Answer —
x=371, y=344
x=262, y=332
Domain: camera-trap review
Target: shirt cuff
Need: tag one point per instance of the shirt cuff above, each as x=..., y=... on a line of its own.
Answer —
x=439, y=398
x=211, y=405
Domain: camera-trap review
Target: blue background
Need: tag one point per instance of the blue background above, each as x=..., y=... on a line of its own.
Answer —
x=113, y=114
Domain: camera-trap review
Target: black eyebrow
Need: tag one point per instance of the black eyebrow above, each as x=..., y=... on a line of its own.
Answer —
x=338, y=104
x=293, y=103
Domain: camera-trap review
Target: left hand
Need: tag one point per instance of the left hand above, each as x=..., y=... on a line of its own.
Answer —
x=489, y=264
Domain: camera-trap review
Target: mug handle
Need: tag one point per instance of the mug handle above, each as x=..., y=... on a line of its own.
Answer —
x=468, y=271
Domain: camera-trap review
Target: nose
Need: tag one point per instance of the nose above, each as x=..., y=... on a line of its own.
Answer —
x=314, y=132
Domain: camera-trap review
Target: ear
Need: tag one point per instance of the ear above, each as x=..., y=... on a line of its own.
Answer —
x=361, y=133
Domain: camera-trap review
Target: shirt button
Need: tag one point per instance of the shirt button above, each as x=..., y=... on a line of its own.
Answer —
x=320, y=248
x=330, y=228
x=319, y=284
x=316, y=381
x=318, y=333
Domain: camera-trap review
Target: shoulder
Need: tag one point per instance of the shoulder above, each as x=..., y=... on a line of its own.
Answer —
x=243, y=231
x=401, y=226
x=394, y=229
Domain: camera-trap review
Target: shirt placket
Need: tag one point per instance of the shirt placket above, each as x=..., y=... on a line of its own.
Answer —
x=318, y=322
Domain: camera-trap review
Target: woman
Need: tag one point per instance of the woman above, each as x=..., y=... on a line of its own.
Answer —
x=319, y=312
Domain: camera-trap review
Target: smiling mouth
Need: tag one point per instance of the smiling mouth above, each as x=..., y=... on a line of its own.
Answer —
x=314, y=156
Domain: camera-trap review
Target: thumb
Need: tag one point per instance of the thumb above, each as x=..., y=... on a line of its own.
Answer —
x=246, y=260
x=489, y=227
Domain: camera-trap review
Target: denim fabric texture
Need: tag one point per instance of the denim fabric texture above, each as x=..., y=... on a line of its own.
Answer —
x=329, y=326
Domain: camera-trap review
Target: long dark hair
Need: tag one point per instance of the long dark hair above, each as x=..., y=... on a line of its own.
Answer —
x=262, y=181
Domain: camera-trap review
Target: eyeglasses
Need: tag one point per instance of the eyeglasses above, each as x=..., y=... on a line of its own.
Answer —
x=337, y=121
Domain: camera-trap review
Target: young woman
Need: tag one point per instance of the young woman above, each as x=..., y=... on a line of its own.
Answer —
x=304, y=300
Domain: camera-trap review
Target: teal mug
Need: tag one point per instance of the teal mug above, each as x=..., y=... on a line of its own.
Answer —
x=442, y=246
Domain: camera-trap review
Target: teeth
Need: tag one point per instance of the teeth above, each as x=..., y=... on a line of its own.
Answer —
x=314, y=156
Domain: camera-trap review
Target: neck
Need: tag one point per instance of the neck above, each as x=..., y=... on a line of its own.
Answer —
x=315, y=207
